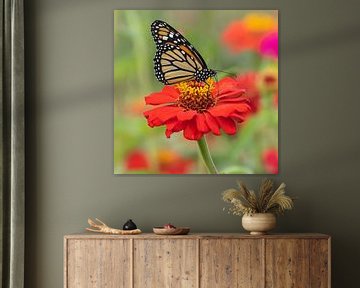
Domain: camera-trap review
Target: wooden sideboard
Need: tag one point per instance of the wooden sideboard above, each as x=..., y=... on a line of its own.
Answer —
x=197, y=260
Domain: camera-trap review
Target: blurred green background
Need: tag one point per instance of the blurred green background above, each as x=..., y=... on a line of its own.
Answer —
x=228, y=40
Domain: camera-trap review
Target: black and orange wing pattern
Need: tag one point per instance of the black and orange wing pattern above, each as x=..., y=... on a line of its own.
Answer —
x=176, y=60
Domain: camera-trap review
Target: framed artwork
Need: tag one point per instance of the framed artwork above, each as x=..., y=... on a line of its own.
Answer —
x=195, y=92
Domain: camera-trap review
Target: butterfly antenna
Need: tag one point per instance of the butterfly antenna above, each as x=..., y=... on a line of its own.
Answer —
x=218, y=91
x=232, y=74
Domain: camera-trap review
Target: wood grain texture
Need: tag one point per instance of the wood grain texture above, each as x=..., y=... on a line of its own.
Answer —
x=231, y=263
x=98, y=264
x=319, y=263
x=165, y=263
x=197, y=260
x=287, y=263
x=88, y=235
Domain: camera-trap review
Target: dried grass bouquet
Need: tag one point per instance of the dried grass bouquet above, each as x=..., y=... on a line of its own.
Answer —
x=246, y=202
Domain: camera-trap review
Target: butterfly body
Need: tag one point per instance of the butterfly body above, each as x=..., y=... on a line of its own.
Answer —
x=176, y=60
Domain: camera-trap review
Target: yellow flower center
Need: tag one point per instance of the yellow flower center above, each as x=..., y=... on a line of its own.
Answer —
x=196, y=95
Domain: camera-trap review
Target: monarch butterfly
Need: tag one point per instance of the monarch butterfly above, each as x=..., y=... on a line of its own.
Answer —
x=176, y=60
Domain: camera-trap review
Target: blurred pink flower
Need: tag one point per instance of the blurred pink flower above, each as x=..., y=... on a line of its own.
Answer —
x=269, y=45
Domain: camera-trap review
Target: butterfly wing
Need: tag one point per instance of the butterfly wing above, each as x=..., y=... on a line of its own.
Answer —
x=176, y=60
x=173, y=65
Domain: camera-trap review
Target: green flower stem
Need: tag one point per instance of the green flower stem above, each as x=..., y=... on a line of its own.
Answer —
x=205, y=153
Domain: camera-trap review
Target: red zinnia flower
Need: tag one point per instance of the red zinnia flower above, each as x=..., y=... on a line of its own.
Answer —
x=198, y=108
x=271, y=160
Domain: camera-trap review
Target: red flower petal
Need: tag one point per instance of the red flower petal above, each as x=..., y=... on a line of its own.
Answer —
x=228, y=87
x=212, y=123
x=191, y=132
x=162, y=113
x=174, y=126
x=155, y=122
x=159, y=98
x=224, y=109
x=238, y=117
x=186, y=115
x=171, y=91
x=227, y=125
x=225, y=99
x=168, y=133
x=201, y=123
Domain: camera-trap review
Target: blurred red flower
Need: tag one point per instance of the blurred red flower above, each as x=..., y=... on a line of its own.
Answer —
x=136, y=160
x=248, y=81
x=270, y=160
x=198, y=108
x=238, y=38
x=276, y=100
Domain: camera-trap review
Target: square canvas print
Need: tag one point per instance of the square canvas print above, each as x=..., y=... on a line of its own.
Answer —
x=196, y=92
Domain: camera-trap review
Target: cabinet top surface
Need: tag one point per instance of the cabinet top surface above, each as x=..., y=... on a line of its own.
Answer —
x=86, y=235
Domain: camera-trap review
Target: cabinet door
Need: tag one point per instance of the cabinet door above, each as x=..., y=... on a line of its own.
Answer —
x=320, y=263
x=98, y=263
x=165, y=263
x=287, y=263
x=231, y=263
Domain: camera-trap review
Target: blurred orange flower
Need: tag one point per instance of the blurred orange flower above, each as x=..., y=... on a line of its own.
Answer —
x=260, y=22
x=168, y=162
x=171, y=162
x=270, y=160
x=198, y=108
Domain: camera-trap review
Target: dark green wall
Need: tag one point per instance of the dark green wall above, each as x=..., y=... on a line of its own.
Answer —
x=70, y=132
